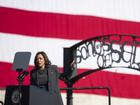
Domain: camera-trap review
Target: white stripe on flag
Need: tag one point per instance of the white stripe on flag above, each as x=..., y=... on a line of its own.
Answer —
x=88, y=99
x=11, y=44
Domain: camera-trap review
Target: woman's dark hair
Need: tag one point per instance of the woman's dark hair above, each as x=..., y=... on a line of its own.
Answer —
x=47, y=61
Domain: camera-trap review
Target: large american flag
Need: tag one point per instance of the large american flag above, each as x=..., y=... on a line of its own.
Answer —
x=51, y=25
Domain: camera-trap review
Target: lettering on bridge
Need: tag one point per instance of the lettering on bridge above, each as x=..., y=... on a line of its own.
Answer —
x=111, y=51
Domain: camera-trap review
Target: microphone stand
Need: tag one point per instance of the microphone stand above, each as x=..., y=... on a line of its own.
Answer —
x=20, y=82
x=20, y=79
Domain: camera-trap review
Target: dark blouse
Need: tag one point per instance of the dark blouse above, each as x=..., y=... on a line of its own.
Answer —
x=42, y=77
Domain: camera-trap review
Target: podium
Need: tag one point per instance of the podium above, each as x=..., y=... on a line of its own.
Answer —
x=30, y=95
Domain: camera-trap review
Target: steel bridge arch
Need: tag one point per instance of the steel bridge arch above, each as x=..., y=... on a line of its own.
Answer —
x=70, y=55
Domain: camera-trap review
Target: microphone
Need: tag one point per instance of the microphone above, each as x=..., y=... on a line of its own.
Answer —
x=22, y=75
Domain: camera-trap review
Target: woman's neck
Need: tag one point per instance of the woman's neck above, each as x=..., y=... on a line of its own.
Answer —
x=42, y=68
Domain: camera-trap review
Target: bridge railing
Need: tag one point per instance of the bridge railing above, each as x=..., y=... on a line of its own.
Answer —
x=93, y=87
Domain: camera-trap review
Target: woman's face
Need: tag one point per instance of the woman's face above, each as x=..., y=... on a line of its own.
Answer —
x=40, y=61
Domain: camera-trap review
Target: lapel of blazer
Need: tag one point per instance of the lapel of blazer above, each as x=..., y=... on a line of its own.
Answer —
x=50, y=74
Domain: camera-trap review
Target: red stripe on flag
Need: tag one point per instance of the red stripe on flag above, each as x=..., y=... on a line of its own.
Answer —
x=121, y=85
x=43, y=24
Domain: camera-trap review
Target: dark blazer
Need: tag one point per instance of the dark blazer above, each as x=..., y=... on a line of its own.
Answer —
x=53, y=76
x=52, y=85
